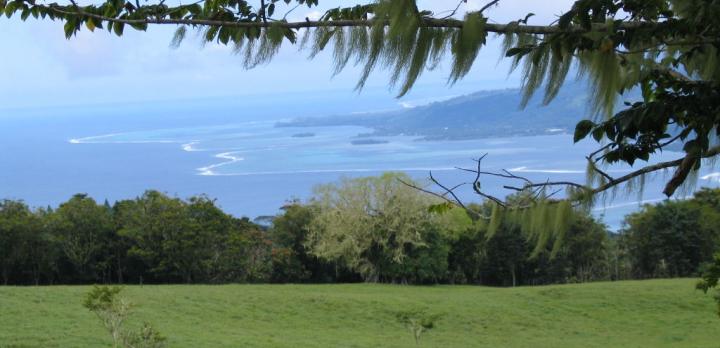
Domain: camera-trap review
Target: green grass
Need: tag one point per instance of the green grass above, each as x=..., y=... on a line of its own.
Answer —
x=658, y=313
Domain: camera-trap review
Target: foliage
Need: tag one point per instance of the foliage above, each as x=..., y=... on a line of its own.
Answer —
x=83, y=229
x=672, y=239
x=376, y=226
x=374, y=229
x=153, y=238
x=508, y=256
x=292, y=261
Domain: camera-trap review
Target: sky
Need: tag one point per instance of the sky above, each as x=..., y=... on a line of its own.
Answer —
x=41, y=68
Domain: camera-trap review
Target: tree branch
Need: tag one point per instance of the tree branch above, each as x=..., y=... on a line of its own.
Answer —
x=424, y=22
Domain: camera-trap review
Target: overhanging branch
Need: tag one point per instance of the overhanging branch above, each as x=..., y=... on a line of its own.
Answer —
x=513, y=27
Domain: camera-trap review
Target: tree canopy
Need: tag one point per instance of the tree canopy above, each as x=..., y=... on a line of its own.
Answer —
x=667, y=49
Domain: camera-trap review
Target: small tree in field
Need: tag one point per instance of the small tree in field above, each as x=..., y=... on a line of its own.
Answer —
x=710, y=279
x=113, y=311
x=417, y=322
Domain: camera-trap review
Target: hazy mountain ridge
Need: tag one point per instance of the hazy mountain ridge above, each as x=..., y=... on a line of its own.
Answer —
x=495, y=113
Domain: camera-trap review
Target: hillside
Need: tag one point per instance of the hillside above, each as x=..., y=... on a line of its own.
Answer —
x=495, y=113
x=658, y=313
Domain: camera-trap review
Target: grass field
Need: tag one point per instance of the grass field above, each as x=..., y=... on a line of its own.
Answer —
x=658, y=313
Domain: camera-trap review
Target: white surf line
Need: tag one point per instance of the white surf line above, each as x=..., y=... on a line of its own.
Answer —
x=86, y=140
x=190, y=147
x=715, y=177
x=628, y=204
x=645, y=201
x=228, y=156
x=560, y=171
x=94, y=140
x=548, y=171
x=318, y=171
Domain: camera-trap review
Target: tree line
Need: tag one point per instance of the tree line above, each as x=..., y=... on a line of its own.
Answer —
x=375, y=229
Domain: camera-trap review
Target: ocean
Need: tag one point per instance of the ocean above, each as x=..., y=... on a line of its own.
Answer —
x=230, y=149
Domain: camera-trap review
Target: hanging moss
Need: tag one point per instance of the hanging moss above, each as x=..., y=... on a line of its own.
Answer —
x=496, y=220
x=466, y=44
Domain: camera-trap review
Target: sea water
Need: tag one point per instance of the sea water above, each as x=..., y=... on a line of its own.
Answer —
x=231, y=150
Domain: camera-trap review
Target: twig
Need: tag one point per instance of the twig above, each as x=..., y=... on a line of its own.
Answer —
x=263, y=11
x=595, y=168
x=291, y=10
x=453, y=12
x=488, y=5
x=447, y=191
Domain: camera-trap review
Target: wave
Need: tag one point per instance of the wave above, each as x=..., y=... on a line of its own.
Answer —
x=549, y=171
x=208, y=170
x=639, y=203
x=715, y=177
x=410, y=104
x=524, y=169
x=95, y=140
x=228, y=156
x=629, y=204
x=190, y=147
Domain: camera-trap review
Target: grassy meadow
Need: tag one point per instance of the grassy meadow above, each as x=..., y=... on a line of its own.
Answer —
x=656, y=313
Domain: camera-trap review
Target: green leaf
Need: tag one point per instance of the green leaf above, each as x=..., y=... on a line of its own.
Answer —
x=290, y=35
x=10, y=9
x=598, y=133
x=90, y=24
x=139, y=26
x=25, y=14
x=118, y=28
x=195, y=9
x=582, y=129
x=70, y=27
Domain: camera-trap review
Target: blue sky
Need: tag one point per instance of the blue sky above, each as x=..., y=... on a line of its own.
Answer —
x=41, y=68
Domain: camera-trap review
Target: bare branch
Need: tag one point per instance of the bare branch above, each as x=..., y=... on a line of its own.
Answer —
x=263, y=11
x=488, y=5
x=447, y=191
x=453, y=12
x=457, y=203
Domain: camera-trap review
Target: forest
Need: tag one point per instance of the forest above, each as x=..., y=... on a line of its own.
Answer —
x=374, y=229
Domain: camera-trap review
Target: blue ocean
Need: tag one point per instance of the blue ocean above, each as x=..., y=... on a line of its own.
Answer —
x=230, y=149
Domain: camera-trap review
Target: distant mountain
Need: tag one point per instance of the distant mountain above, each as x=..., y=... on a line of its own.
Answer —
x=495, y=113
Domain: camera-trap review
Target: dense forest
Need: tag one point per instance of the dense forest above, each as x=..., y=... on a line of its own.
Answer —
x=373, y=229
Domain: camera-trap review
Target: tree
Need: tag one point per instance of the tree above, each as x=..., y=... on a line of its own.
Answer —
x=504, y=255
x=673, y=239
x=292, y=261
x=40, y=249
x=83, y=230
x=15, y=223
x=170, y=236
x=380, y=228
x=246, y=255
